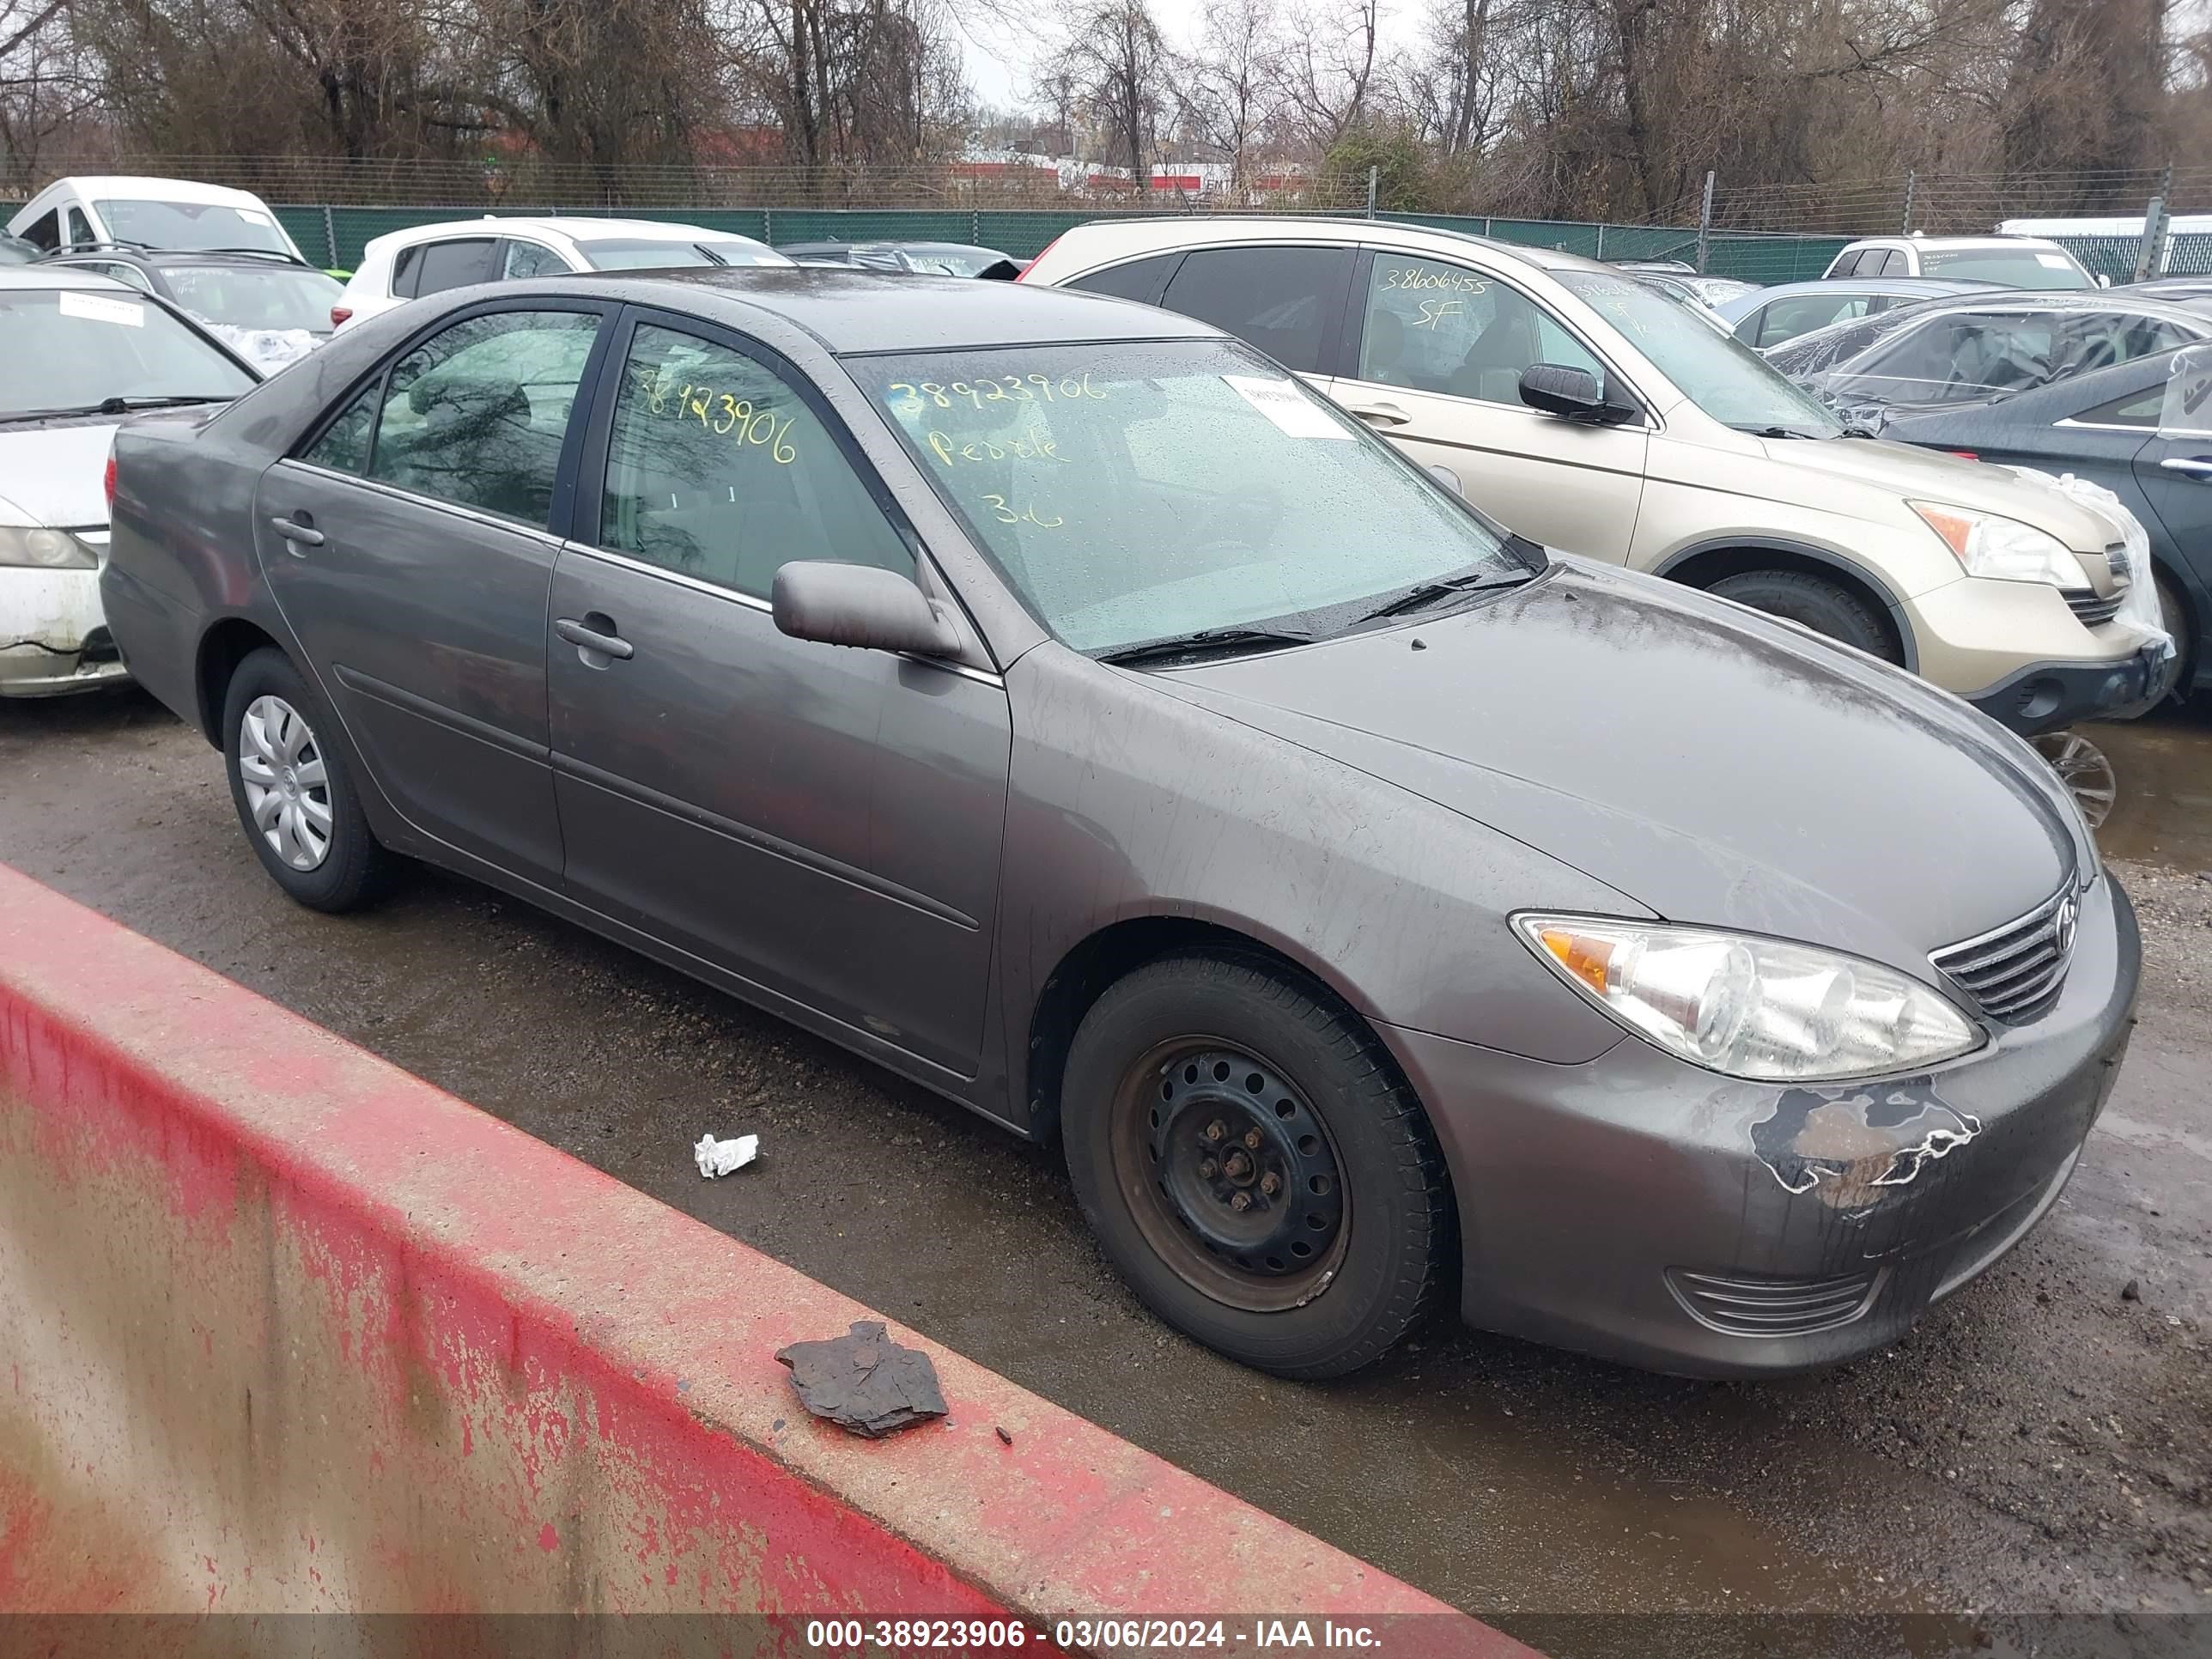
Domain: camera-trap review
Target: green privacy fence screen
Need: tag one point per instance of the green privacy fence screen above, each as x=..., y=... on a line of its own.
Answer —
x=334, y=235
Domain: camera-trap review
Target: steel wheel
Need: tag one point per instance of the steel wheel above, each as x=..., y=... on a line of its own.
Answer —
x=1232, y=1178
x=2084, y=768
x=287, y=789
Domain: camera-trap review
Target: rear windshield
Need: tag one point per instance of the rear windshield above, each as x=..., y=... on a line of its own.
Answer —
x=242, y=296
x=69, y=351
x=2016, y=267
x=1132, y=491
x=651, y=254
x=199, y=227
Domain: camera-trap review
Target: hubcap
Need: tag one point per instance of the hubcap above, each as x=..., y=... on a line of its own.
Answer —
x=2084, y=768
x=288, y=790
x=1233, y=1177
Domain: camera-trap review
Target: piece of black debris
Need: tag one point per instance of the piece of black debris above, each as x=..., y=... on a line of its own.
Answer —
x=864, y=1381
x=1005, y=1439
x=2132, y=1290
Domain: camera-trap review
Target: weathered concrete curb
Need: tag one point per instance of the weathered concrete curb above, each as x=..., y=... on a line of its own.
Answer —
x=289, y=1330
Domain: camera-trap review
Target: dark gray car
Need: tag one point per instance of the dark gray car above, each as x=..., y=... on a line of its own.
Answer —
x=1053, y=700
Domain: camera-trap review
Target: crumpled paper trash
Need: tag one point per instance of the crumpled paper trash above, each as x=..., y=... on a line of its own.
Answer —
x=719, y=1157
x=267, y=349
x=864, y=1382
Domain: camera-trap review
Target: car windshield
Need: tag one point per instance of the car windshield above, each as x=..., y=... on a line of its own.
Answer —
x=196, y=226
x=1137, y=491
x=2016, y=267
x=247, y=296
x=653, y=253
x=1717, y=372
x=70, y=351
x=952, y=259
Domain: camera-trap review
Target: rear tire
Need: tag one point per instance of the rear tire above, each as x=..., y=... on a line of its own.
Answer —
x=1826, y=607
x=1198, y=1081
x=295, y=797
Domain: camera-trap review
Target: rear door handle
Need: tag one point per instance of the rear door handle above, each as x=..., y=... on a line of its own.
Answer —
x=590, y=639
x=300, y=535
x=1381, y=414
x=2195, y=466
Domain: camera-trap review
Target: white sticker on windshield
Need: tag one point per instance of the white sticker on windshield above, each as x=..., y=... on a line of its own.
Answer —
x=1283, y=403
x=253, y=215
x=2054, y=261
x=98, y=308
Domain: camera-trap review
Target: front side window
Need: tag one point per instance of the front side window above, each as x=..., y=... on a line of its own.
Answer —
x=1719, y=373
x=199, y=227
x=1281, y=298
x=67, y=350
x=79, y=229
x=1137, y=490
x=717, y=468
x=1432, y=326
x=45, y=231
x=476, y=414
x=660, y=253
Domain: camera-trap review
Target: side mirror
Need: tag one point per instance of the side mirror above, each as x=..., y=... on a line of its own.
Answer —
x=1574, y=392
x=1447, y=479
x=861, y=606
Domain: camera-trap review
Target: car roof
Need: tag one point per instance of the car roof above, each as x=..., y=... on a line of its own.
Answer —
x=1164, y=232
x=128, y=186
x=1919, y=288
x=43, y=276
x=1952, y=242
x=855, y=312
x=246, y=259
x=579, y=229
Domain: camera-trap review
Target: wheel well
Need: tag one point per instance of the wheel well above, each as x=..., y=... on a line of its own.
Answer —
x=225, y=646
x=1113, y=953
x=1713, y=564
x=2171, y=584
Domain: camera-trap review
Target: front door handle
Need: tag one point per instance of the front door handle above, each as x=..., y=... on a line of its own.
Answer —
x=591, y=639
x=1381, y=414
x=2195, y=466
x=299, y=532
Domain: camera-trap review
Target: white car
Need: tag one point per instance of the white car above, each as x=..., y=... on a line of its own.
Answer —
x=83, y=353
x=2015, y=261
x=407, y=264
x=163, y=213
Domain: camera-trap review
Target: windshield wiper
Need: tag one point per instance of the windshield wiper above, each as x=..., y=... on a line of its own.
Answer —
x=1199, y=643
x=1427, y=593
x=1776, y=432
x=112, y=406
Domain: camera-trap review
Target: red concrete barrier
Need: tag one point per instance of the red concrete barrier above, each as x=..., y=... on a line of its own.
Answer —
x=287, y=1329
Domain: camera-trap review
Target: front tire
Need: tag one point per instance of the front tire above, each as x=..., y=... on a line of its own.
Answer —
x=1255, y=1167
x=294, y=797
x=1826, y=607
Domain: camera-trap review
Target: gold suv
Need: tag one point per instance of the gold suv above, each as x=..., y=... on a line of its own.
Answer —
x=1601, y=417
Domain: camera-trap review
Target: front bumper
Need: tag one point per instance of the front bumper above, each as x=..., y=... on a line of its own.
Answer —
x=1640, y=1209
x=53, y=639
x=2045, y=696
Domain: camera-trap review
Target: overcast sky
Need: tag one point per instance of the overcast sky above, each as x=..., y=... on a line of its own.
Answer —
x=999, y=51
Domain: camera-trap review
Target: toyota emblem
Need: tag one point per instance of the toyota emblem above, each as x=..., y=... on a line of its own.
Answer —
x=2069, y=913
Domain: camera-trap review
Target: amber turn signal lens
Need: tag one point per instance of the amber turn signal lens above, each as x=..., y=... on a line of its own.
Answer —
x=1586, y=958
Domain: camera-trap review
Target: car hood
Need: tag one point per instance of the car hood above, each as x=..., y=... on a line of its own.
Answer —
x=1922, y=475
x=56, y=475
x=1712, y=763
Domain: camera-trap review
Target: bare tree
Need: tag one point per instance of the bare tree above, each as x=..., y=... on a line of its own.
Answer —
x=1227, y=96
x=1114, y=58
x=1326, y=72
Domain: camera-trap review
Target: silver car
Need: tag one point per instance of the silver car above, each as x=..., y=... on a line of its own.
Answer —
x=1055, y=701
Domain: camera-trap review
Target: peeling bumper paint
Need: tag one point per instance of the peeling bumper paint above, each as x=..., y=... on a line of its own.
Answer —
x=1582, y=1188
x=46, y=618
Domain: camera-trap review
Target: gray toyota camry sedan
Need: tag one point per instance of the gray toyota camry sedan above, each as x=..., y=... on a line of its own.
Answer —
x=1055, y=701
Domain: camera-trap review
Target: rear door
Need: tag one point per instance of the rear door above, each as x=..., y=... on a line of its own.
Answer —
x=1435, y=352
x=409, y=544
x=823, y=823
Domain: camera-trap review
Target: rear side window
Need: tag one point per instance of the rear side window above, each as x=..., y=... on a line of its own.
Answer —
x=531, y=259
x=406, y=269
x=1283, y=299
x=1846, y=266
x=344, y=446
x=1142, y=280
x=478, y=413
x=453, y=264
x=2141, y=409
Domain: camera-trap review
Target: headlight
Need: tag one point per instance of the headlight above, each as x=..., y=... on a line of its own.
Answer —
x=2004, y=549
x=44, y=549
x=1751, y=1007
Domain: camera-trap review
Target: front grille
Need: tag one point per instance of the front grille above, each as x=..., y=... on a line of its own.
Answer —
x=1743, y=1305
x=2014, y=972
x=2095, y=609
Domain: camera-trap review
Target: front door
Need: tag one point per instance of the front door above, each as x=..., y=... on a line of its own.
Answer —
x=823, y=823
x=1436, y=369
x=409, y=546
